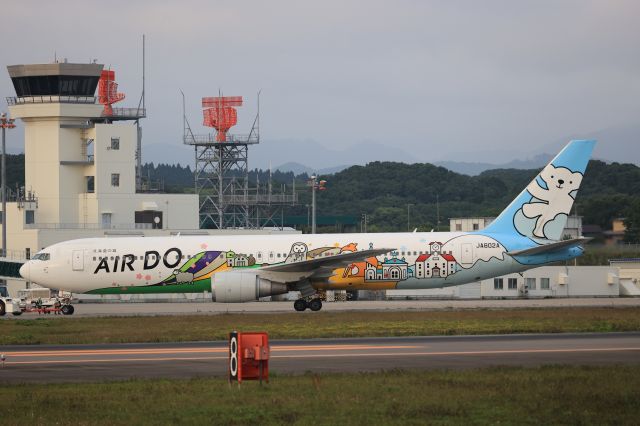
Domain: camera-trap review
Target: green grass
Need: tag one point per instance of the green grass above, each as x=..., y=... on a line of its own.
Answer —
x=538, y=396
x=313, y=325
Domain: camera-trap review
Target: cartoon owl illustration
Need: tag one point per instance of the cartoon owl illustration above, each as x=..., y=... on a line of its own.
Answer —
x=298, y=253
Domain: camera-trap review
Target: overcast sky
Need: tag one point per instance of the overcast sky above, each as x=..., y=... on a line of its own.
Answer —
x=434, y=78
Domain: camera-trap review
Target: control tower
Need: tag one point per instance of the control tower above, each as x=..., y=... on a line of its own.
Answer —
x=80, y=161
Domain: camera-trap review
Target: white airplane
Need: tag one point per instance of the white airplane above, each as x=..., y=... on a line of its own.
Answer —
x=527, y=234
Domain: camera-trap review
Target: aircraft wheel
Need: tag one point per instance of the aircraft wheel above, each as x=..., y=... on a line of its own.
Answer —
x=67, y=309
x=315, y=305
x=2, y=309
x=300, y=305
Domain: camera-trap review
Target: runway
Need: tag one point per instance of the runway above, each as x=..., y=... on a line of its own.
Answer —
x=77, y=363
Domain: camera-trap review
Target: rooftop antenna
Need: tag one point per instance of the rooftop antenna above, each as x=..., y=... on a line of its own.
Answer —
x=139, y=130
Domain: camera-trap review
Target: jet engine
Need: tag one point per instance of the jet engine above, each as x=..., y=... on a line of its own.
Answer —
x=243, y=286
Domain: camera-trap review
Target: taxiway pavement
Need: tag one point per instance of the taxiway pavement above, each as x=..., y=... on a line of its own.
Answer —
x=208, y=308
x=76, y=363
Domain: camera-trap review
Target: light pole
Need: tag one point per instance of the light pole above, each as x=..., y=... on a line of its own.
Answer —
x=319, y=185
x=5, y=123
x=313, y=204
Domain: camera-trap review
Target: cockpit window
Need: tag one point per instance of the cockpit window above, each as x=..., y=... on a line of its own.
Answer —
x=41, y=256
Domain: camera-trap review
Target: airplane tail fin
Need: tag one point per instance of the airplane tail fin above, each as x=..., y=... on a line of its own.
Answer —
x=541, y=210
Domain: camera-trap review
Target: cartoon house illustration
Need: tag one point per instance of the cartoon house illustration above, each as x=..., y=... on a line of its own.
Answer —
x=393, y=269
x=235, y=260
x=435, y=264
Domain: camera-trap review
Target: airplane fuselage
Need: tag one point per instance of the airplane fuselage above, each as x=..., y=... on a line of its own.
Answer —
x=186, y=264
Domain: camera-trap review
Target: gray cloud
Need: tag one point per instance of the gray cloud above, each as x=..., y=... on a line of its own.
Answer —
x=436, y=78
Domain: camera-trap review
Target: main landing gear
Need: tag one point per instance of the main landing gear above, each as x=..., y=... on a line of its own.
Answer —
x=302, y=304
x=67, y=309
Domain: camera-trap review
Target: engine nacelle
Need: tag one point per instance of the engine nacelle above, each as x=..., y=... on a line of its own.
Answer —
x=243, y=286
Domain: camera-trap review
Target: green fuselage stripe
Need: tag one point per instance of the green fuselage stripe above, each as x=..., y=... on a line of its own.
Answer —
x=194, y=287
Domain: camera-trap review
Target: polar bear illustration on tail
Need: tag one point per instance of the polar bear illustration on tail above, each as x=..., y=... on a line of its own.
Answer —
x=557, y=198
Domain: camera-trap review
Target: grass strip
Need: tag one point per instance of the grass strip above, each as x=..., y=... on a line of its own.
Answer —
x=178, y=328
x=510, y=396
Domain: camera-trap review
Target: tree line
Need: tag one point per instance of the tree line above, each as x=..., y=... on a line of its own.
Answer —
x=395, y=196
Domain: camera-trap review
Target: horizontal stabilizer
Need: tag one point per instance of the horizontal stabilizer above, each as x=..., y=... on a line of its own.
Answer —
x=336, y=261
x=547, y=248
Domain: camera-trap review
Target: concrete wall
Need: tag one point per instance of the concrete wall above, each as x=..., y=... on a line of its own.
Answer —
x=564, y=281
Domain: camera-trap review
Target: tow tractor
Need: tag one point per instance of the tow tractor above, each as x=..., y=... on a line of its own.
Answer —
x=8, y=305
x=54, y=305
x=41, y=300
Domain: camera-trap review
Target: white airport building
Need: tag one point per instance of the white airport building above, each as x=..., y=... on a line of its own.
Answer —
x=543, y=282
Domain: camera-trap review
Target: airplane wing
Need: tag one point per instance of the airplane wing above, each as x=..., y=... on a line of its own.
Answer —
x=547, y=248
x=324, y=262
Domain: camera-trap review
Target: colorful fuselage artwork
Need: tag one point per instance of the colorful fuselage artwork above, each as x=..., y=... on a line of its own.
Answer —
x=437, y=260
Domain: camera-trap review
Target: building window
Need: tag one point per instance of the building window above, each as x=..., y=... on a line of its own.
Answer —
x=148, y=219
x=476, y=227
x=115, y=143
x=498, y=284
x=27, y=253
x=530, y=283
x=458, y=227
x=512, y=283
x=106, y=220
x=89, y=184
x=29, y=217
x=115, y=179
x=544, y=283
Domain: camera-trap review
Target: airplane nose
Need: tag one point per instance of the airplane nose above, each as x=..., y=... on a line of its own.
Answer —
x=24, y=271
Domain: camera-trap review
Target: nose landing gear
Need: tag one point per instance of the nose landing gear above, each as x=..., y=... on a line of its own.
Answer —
x=314, y=304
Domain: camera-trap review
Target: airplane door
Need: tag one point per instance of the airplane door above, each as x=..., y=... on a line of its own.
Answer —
x=77, y=261
x=467, y=254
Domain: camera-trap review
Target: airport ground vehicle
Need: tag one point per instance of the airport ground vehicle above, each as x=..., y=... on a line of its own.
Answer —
x=8, y=305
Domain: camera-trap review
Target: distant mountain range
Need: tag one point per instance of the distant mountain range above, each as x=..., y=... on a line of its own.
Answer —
x=299, y=169
x=473, y=169
x=619, y=144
